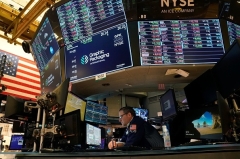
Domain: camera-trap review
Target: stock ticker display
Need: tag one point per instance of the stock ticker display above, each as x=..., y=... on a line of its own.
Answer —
x=81, y=19
x=45, y=44
x=96, y=37
x=180, y=41
x=233, y=31
x=51, y=74
x=96, y=113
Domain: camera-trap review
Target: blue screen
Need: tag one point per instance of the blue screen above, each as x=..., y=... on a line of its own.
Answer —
x=51, y=74
x=168, y=104
x=96, y=113
x=16, y=142
x=44, y=45
x=233, y=31
x=96, y=37
x=107, y=51
x=143, y=113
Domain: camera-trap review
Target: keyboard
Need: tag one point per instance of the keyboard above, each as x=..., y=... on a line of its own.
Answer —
x=47, y=150
x=131, y=148
x=98, y=150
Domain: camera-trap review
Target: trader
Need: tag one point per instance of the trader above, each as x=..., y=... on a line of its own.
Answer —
x=138, y=133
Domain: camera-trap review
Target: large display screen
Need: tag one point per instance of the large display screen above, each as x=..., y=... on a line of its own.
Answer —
x=93, y=135
x=233, y=31
x=96, y=37
x=74, y=103
x=51, y=74
x=180, y=41
x=96, y=113
x=45, y=44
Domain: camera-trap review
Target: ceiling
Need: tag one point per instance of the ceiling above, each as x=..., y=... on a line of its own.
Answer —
x=136, y=81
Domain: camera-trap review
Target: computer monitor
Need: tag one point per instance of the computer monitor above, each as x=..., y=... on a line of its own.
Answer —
x=168, y=104
x=70, y=124
x=225, y=71
x=93, y=135
x=16, y=142
x=73, y=103
x=14, y=108
x=18, y=127
x=96, y=113
x=201, y=91
x=204, y=123
x=143, y=113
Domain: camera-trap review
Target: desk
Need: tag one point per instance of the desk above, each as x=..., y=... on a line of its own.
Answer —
x=231, y=151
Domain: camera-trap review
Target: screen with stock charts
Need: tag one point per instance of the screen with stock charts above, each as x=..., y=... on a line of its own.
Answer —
x=180, y=41
x=233, y=31
x=96, y=37
x=44, y=44
x=51, y=74
x=96, y=113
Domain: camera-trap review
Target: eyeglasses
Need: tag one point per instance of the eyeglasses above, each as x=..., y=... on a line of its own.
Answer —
x=120, y=117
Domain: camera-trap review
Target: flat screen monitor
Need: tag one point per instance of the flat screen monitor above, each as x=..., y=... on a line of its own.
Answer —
x=73, y=103
x=233, y=31
x=96, y=113
x=143, y=113
x=225, y=71
x=204, y=123
x=93, y=135
x=168, y=104
x=16, y=142
x=96, y=37
x=51, y=74
x=61, y=94
x=71, y=128
x=14, y=108
x=44, y=45
x=202, y=90
x=18, y=127
x=195, y=41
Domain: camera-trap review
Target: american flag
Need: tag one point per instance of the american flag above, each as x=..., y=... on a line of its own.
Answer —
x=22, y=78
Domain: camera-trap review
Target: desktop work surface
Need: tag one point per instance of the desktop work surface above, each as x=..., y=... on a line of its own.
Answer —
x=206, y=151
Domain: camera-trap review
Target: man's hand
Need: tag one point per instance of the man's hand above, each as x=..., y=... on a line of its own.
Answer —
x=112, y=144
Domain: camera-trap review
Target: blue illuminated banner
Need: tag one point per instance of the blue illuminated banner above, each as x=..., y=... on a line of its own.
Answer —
x=106, y=51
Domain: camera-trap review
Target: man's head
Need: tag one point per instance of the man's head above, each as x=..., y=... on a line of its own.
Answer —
x=125, y=115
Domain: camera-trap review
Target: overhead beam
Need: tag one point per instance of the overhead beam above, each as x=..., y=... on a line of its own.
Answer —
x=16, y=20
x=31, y=16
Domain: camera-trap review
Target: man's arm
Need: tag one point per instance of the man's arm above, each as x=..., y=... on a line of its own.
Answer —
x=124, y=137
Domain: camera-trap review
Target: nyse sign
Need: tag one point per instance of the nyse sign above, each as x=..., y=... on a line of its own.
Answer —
x=176, y=6
x=182, y=3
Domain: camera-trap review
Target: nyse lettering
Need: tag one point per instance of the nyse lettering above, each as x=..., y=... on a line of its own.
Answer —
x=182, y=3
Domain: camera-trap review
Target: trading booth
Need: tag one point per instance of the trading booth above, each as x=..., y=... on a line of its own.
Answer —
x=79, y=39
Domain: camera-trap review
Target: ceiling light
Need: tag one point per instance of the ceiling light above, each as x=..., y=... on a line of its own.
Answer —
x=28, y=30
x=238, y=1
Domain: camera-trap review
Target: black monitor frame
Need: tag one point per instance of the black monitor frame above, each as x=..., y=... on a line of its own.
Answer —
x=175, y=104
x=225, y=71
x=75, y=136
x=80, y=109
